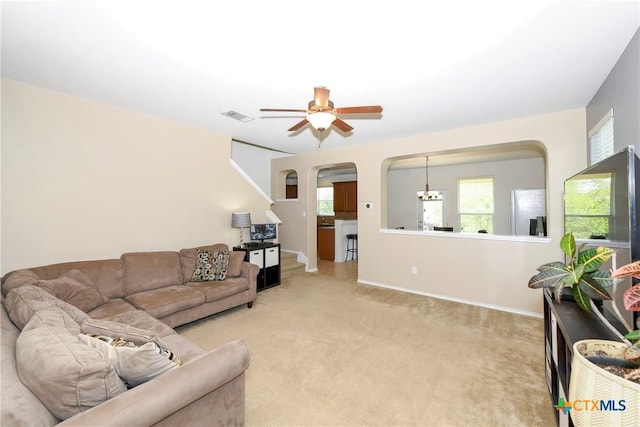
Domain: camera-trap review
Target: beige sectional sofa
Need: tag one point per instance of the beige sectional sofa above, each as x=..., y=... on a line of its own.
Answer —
x=57, y=369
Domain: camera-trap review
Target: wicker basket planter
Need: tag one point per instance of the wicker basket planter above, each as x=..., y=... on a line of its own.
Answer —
x=618, y=400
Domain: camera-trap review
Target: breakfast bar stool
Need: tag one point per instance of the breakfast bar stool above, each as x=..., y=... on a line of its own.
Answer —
x=352, y=246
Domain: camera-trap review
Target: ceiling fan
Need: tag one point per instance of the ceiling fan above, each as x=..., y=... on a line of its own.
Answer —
x=322, y=114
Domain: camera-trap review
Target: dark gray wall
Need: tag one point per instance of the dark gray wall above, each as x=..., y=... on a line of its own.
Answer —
x=621, y=91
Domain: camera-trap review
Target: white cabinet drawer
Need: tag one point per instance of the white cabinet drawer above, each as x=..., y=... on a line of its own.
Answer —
x=272, y=257
x=256, y=257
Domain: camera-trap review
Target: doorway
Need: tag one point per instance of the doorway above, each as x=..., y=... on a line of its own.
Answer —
x=336, y=210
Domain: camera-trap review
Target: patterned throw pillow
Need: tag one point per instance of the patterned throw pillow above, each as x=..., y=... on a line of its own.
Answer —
x=210, y=266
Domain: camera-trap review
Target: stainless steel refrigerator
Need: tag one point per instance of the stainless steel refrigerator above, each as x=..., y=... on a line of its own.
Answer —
x=525, y=206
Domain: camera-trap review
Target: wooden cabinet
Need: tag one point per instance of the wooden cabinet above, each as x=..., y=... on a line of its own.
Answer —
x=267, y=257
x=564, y=325
x=345, y=196
x=291, y=191
x=326, y=243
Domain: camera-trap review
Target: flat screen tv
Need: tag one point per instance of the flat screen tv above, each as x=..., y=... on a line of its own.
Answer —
x=601, y=202
x=262, y=232
x=601, y=208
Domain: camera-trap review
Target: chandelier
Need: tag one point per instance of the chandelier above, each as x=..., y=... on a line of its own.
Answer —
x=428, y=195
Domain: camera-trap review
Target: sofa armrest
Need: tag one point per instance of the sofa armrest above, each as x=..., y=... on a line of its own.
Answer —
x=208, y=390
x=250, y=272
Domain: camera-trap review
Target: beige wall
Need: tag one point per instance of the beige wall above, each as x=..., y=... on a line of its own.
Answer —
x=488, y=270
x=84, y=180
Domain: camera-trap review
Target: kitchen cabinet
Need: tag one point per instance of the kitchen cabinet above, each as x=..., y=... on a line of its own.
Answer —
x=326, y=243
x=291, y=191
x=345, y=196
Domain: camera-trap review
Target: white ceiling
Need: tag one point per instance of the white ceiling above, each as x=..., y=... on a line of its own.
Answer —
x=432, y=65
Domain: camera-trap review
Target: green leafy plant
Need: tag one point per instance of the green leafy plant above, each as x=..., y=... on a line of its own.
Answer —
x=631, y=299
x=588, y=282
x=582, y=273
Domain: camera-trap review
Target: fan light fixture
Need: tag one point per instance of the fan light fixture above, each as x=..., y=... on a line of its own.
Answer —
x=320, y=120
x=322, y=115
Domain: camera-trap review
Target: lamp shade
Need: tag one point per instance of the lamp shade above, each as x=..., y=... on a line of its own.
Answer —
x=240, y=219
x=320, y=120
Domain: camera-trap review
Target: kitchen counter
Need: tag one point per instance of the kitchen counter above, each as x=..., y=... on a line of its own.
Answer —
x=342, y=228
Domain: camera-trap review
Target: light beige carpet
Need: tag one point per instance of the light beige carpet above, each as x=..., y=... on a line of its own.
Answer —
x=328, y=351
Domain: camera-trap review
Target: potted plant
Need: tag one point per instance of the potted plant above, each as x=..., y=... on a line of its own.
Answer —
x=631, y=300
x=608, y=371
x=601, y=371
x=581, y=274
x=632, y=295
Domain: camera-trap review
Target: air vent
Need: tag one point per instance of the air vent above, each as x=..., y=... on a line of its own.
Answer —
x=238, y=116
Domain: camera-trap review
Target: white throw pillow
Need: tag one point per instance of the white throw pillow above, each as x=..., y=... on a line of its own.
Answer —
x=135, y=365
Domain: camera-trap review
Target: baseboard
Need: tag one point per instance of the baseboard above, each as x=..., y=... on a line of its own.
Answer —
x=458, y=300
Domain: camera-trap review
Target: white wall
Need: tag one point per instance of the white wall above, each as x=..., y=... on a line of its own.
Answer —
x=84, y=180
x=255, y=162
x=402, y=185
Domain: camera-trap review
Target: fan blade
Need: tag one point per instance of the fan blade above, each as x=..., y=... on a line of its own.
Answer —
x=298, y=125
x=342, y=125
x=283, y=110
x=363, y=109
x=321, y=96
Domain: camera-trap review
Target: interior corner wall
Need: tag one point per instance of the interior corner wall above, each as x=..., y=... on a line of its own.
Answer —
x=247, y=156
x=84, y=180
x=621, y=91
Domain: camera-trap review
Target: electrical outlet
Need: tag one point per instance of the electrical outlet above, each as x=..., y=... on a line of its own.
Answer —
x=414, y=270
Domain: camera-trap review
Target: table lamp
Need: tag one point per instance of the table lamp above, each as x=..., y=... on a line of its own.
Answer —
x=240, y=220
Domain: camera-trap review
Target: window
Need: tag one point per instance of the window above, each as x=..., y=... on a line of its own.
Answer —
x=475, y=205
x=588, y=202
x=325, y=200
x=601, y=139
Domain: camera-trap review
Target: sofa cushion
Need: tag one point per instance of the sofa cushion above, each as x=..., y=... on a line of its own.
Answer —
x=22, y=302
x=145, y=271
x=214, y=291
x=134, y=364
x=188, y=258
x=105, y=274
x=67, y=375
x=210, y=265
x=18, y=278
x=113, y=307
x=19, y=406
x=141, y=320
x=164, y=301
x=236, y=260
x=75, y=288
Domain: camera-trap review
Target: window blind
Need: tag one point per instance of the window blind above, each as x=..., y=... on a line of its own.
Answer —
x=601, y=139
